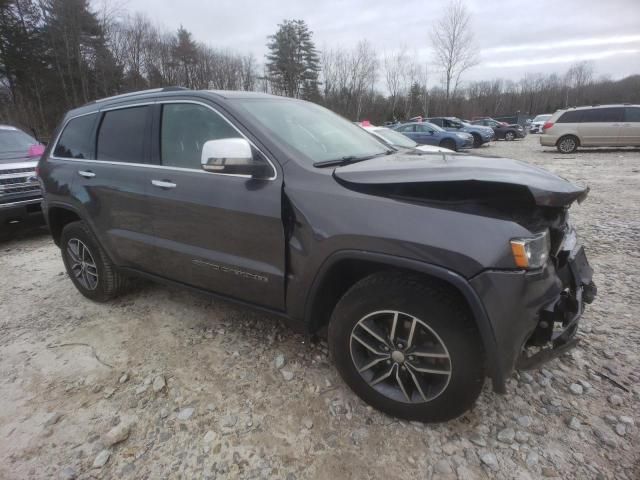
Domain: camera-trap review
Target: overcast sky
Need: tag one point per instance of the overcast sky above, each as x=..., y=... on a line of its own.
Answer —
x=513, y=37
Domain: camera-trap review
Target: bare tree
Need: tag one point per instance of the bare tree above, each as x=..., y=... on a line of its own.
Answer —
x=395, y=65
x=452, y=40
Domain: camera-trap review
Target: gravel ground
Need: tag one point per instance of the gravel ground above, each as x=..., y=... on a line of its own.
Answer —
x=162, y=383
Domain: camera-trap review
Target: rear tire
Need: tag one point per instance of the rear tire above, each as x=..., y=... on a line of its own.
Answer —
x=445, y=342
x=87, y=264
x=567, y=144
x=450, y=144
x=510, y=136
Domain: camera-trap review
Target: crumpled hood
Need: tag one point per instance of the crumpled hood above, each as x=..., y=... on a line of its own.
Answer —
x=546, y=188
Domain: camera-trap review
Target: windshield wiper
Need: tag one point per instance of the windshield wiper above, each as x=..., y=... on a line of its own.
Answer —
x=349, y=159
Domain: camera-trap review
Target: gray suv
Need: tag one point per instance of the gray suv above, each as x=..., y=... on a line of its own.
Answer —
x=428, y=272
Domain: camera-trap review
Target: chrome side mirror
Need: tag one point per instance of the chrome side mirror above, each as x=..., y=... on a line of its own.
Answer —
x=226, y=154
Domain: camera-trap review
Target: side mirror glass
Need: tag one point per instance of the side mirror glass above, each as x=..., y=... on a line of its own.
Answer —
x=232, y=156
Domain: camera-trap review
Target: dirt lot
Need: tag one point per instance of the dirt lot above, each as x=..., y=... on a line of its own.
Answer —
x=194, y=381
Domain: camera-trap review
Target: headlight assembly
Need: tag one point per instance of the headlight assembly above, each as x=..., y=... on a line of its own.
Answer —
x=531, y=252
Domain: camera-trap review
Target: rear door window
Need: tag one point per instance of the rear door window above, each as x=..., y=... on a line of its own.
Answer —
x=632, y=114
x=602, y=115
x=407, y=128
x=76, y=140
x=124, y=135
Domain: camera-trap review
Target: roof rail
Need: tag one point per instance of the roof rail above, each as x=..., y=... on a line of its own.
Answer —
x=141, y=92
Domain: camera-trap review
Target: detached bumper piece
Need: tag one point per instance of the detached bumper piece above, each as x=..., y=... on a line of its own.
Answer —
x=558, y=324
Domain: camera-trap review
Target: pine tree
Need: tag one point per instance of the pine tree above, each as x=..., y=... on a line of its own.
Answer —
x=293, y=63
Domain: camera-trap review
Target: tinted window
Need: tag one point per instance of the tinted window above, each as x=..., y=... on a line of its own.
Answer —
x=602, y=115
x=436, y=121
x=185, y=128
x=406, y=128
x=123, y=134
x=632, y=114
x=572, y=116
x=76, y=140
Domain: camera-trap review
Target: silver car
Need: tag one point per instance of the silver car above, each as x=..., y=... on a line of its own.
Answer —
x=596, y=126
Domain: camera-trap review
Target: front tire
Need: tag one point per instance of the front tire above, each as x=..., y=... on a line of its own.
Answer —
x=408, y=347
x=477, y=140
x=87, y=264
x=567, y=144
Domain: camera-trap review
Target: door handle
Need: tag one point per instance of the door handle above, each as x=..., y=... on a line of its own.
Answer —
x=163, y=184
x=86, y=173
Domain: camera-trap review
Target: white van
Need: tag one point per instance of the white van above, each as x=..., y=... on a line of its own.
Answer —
x=596, y=126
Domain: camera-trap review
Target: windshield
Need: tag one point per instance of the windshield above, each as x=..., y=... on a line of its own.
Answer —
x=395, y=138
x=14, y=140
x=542, y=118
x=315, y=132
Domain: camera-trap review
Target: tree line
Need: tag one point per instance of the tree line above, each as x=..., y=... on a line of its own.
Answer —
x=58, y=54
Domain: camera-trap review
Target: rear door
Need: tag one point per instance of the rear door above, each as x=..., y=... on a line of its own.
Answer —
x=219, y=232
x=600, y=126
x=110, y=187
x=630, y=129
x=409, y=131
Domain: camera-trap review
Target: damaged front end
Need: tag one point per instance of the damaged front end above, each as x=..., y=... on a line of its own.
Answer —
x=534, y=309
x=555, y=332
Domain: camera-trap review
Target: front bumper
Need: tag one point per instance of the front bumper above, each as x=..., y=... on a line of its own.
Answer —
x=21, y=211
x=534, y=315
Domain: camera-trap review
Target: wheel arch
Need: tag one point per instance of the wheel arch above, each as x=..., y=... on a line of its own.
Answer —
x=573, y=135
x=58, y=216
x=343, y=269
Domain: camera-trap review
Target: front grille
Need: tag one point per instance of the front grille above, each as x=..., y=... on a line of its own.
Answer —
x=18, y=180
x=16, y=170
x=22, y=189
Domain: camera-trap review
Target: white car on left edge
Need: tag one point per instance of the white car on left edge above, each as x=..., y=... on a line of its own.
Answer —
x=396, y=139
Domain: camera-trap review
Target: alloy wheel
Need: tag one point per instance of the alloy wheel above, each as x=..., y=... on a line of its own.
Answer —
x=82, y=264
x=567, y=145
x=509, y=136
x=400, y=356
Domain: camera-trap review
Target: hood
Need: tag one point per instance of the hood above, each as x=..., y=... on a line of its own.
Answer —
x=437, y=170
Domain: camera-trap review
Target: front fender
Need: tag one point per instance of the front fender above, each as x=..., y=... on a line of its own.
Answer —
x=487, y=333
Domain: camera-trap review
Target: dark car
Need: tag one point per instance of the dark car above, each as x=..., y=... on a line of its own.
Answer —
x=427, y=272
x=503, y=131
x=426, y=133
x=20, y=194
x=481, y=135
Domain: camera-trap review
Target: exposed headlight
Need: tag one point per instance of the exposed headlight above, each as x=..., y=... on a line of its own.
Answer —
x=531, y=252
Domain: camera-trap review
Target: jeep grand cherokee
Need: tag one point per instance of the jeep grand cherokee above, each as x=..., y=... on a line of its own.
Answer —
x=428, y=272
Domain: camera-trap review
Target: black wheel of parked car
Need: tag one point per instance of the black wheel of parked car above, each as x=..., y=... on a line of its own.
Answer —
x=510, y=136
x=450, y=144
x=567, y=144
x=477, y=140
x=408, y=347
x=90, y=269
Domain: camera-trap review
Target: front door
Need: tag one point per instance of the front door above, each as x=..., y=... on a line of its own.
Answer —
x=630, y=129
x=222, y=233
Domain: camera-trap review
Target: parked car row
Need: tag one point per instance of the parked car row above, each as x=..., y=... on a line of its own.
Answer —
x=502, y=130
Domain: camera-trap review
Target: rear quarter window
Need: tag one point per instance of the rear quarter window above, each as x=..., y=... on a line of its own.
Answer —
x=572, y=116
x=76, y=140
